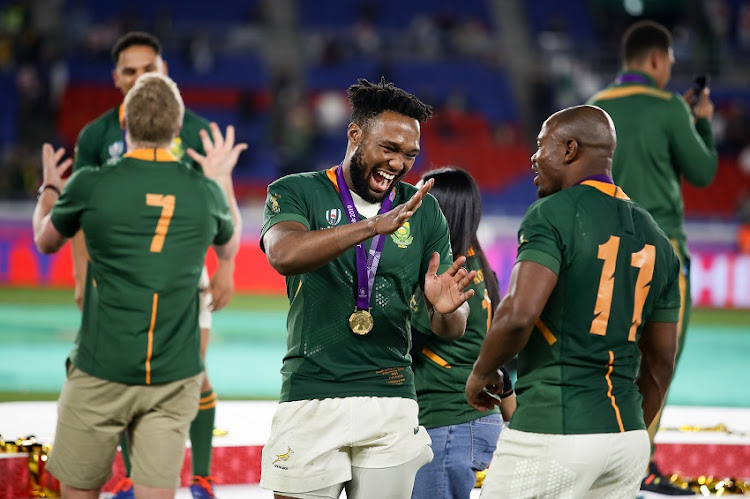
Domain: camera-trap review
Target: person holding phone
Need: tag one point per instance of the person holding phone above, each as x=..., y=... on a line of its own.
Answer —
x=662, y=138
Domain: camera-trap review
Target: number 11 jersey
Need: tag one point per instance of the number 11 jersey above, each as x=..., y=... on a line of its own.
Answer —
x=616, y=271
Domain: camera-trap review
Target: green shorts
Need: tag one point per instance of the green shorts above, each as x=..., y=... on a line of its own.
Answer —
x=92, y=414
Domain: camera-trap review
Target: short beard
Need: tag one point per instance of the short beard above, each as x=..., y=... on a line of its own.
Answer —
x=359, y=182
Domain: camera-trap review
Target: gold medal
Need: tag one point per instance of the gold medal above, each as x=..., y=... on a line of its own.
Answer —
x=361, y=322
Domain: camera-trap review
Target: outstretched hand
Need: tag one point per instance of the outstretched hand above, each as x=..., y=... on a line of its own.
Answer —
x=388, y=223
x=221, y=154
x=52, y=168
x=483, y=393
x=446, y=291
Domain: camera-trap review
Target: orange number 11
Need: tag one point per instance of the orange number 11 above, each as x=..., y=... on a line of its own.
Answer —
x=167, y=202
x=644, y=262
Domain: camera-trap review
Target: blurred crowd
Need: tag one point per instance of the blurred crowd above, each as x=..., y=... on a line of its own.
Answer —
x=38, y=36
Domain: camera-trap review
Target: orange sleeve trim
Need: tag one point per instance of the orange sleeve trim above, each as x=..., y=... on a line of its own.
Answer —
x=470, y=252
x=208, y=398
x=150, y=350
x=154, y=154
x=331, y=173
x=435, y=358
x=611, y=366
x=545, y=331
x=205, y=407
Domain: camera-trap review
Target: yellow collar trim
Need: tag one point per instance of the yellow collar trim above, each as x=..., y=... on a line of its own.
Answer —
x=151, y=155
x=608, y=189
x=628, y=90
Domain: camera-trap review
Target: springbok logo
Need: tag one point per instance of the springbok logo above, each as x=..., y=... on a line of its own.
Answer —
x=285, y=456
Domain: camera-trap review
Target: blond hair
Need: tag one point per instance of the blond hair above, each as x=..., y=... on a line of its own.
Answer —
x=153, y=111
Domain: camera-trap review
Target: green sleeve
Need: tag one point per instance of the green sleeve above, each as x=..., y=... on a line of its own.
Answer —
x=539, y=237
x=667, y=305
x=224, y=222
x=439, y=237
x=283, y=203
x=86, y=149
x=67, y=212
x=692, y=146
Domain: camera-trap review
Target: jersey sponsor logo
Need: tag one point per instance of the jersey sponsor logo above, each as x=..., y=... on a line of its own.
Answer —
x=402, y=237
x=333, y=216
x=273, y=200
x=283, y=457
x=116, y=149
x=177, y=148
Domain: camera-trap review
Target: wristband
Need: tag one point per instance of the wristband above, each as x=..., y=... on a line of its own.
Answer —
x=44, y=187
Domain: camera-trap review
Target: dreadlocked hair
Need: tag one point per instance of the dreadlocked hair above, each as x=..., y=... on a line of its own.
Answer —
x=371, y=99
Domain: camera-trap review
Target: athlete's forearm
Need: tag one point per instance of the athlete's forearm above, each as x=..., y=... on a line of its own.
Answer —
x=450, y=326
x=507, y=336
x=80, y=256
x=227, y=186
x=292, y=249
x=658, y=346
x=46, y=237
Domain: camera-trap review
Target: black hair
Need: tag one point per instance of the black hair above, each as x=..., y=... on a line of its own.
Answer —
x=135, y=38
x=370, y=99
x=461, y=202
x=642, y=37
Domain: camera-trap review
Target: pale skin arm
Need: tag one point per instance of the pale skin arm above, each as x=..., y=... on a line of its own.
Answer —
x=292, y=249
x=531, y=285
x=46, y=237
x=80, y=264
x=218, y=164
x=658, y=346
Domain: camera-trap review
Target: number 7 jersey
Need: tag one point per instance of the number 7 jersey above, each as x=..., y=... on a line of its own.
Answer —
x=616, y=270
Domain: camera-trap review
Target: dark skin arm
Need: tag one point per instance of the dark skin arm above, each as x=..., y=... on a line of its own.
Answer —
x=658, y=346
x=530, y=287
x=292, y=249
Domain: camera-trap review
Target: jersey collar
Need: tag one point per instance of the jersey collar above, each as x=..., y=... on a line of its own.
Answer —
x=151, y=154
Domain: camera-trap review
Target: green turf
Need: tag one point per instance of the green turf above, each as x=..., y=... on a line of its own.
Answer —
x=248, y=342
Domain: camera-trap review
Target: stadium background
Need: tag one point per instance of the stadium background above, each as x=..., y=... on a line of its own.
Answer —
x=278, y=69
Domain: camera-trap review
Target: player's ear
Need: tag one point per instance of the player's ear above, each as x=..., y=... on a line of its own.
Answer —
x=354, y=133
x=571, y=150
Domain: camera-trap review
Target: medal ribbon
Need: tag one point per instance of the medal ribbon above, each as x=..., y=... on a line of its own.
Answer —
x=367, y=265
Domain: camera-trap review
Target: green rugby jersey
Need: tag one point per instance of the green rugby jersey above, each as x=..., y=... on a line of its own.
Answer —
x=324, y=358
x=616, y=270
x=148, y=222
x=657, y=146
x=442, y=367
x=103, y=140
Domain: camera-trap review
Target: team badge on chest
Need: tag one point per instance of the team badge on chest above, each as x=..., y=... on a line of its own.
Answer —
x=402, y=237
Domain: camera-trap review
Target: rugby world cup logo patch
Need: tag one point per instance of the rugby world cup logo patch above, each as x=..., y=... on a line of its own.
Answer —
x=116, y=149
x=333, y=216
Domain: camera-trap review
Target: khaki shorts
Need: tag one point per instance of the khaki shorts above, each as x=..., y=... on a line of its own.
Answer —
x=315, y=443
x=92, y=413
x=599, y=465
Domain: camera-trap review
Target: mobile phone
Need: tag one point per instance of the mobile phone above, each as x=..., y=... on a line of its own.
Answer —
x=699, y=83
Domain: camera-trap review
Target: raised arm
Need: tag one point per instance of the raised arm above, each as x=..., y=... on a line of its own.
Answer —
x=293, y=249
x=46, y=237
x=692, y=145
